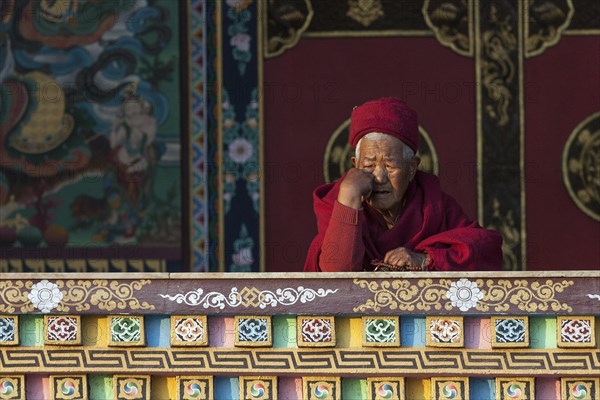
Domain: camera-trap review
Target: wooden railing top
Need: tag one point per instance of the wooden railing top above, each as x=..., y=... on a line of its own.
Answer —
x=452, y=293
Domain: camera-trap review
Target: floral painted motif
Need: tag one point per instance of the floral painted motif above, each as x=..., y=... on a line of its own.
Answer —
x=386, y=388
x=253, y=330
x=316, y=388
x=126, y=330
x=381, y=331
x=576, y=331
x=580, y=388
x=239, y=39
x=189, y=331
x=445, y=331
x=63, y=329
x=316, y=330
x=12, y=387
x=510, y=330
x=450, y=389
x=464, y=294
x=8, y=327
x=45, y=296
x=515, y=388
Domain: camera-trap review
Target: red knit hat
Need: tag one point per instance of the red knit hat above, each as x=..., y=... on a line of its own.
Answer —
x=387, y=115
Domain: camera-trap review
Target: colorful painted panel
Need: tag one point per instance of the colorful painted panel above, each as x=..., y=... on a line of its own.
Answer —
x=515, y=388
x=131, y=387
x=510, y=331
x=195, y=388
x=580, y=388
x=71, y=387
x=253, y=331
x=126, y=330
x=381, y=331
x=450, y=388
x=12, y=387
x=445, y=331
x=386, y=388
x=91, y=128
x=315, y=331
x=62, y=329
x=321, y=388
x=189, y=330
x=576, y=331
x=9, y=330
x=258, y=388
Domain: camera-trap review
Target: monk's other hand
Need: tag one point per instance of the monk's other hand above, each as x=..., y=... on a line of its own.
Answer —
x=403, y=257
x=356, y=185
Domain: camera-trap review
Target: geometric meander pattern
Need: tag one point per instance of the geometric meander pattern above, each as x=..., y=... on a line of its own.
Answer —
x=283, y=361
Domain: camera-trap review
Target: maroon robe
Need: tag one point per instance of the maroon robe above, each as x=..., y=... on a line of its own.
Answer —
x=431, y=222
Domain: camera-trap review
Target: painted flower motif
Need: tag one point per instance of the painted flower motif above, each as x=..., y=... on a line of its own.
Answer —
x=464, y=294
x=241, y=41
x=45, y=296
x=240, y=150
x=243, y=257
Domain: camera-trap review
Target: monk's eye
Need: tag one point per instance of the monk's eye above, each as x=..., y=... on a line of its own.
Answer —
x=367, y=166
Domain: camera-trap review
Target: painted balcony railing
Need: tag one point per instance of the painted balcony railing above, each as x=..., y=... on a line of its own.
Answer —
x=300, y=336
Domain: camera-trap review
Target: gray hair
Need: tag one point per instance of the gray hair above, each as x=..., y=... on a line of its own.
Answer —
x=378, y=136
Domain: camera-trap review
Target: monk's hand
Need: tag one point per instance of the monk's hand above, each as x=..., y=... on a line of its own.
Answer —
x=356, y=185
x=405, y=258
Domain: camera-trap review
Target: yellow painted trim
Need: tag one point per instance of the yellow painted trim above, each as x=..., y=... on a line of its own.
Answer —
x=400, y=386
x=395, y=343
x=587, y=382
x=564, y=344
x=307, y=381
x=146, y=378
x=209, y=387
x=429, y=341
x=243, y=380
x=54, y=382
x=501, y=381
x=436, y=381
x=141, y=342
x=76, y=341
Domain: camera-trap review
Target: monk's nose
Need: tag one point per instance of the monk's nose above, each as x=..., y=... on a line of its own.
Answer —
x=380, y=175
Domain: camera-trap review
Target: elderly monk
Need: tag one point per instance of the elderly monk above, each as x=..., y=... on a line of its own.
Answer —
x=386, y=212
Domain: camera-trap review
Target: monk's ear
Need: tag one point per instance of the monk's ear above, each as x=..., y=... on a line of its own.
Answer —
x=354, y=160
x=414, y=165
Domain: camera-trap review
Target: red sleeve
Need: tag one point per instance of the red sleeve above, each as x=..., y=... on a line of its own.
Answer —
x=464, y=245
x=342, y=248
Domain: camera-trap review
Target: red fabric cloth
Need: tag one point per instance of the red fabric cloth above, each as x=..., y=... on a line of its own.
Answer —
x=386, y=115
x=432, y=222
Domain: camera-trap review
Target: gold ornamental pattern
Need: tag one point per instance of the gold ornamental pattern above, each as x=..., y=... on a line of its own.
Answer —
x=365, y=12
x=107, y=295
x=545, y=20
x=483, y=295
x=452, y=23
x=497, y=67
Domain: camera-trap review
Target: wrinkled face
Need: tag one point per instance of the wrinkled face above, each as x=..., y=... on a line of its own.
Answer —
x=385, y=160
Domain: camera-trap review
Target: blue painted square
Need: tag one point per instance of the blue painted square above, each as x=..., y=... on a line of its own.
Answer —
x=412, y=331
x=510, y=330
x=7, y=329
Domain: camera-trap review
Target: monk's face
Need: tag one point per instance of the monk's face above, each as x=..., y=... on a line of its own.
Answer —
x=385, y=160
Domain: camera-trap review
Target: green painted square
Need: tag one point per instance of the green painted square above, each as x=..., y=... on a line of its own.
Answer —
x=284, y=332
x=126, y=329
x=101, y=387
x=380, y=331
x=31, y=330
x=354, y=389
x=542, y=332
